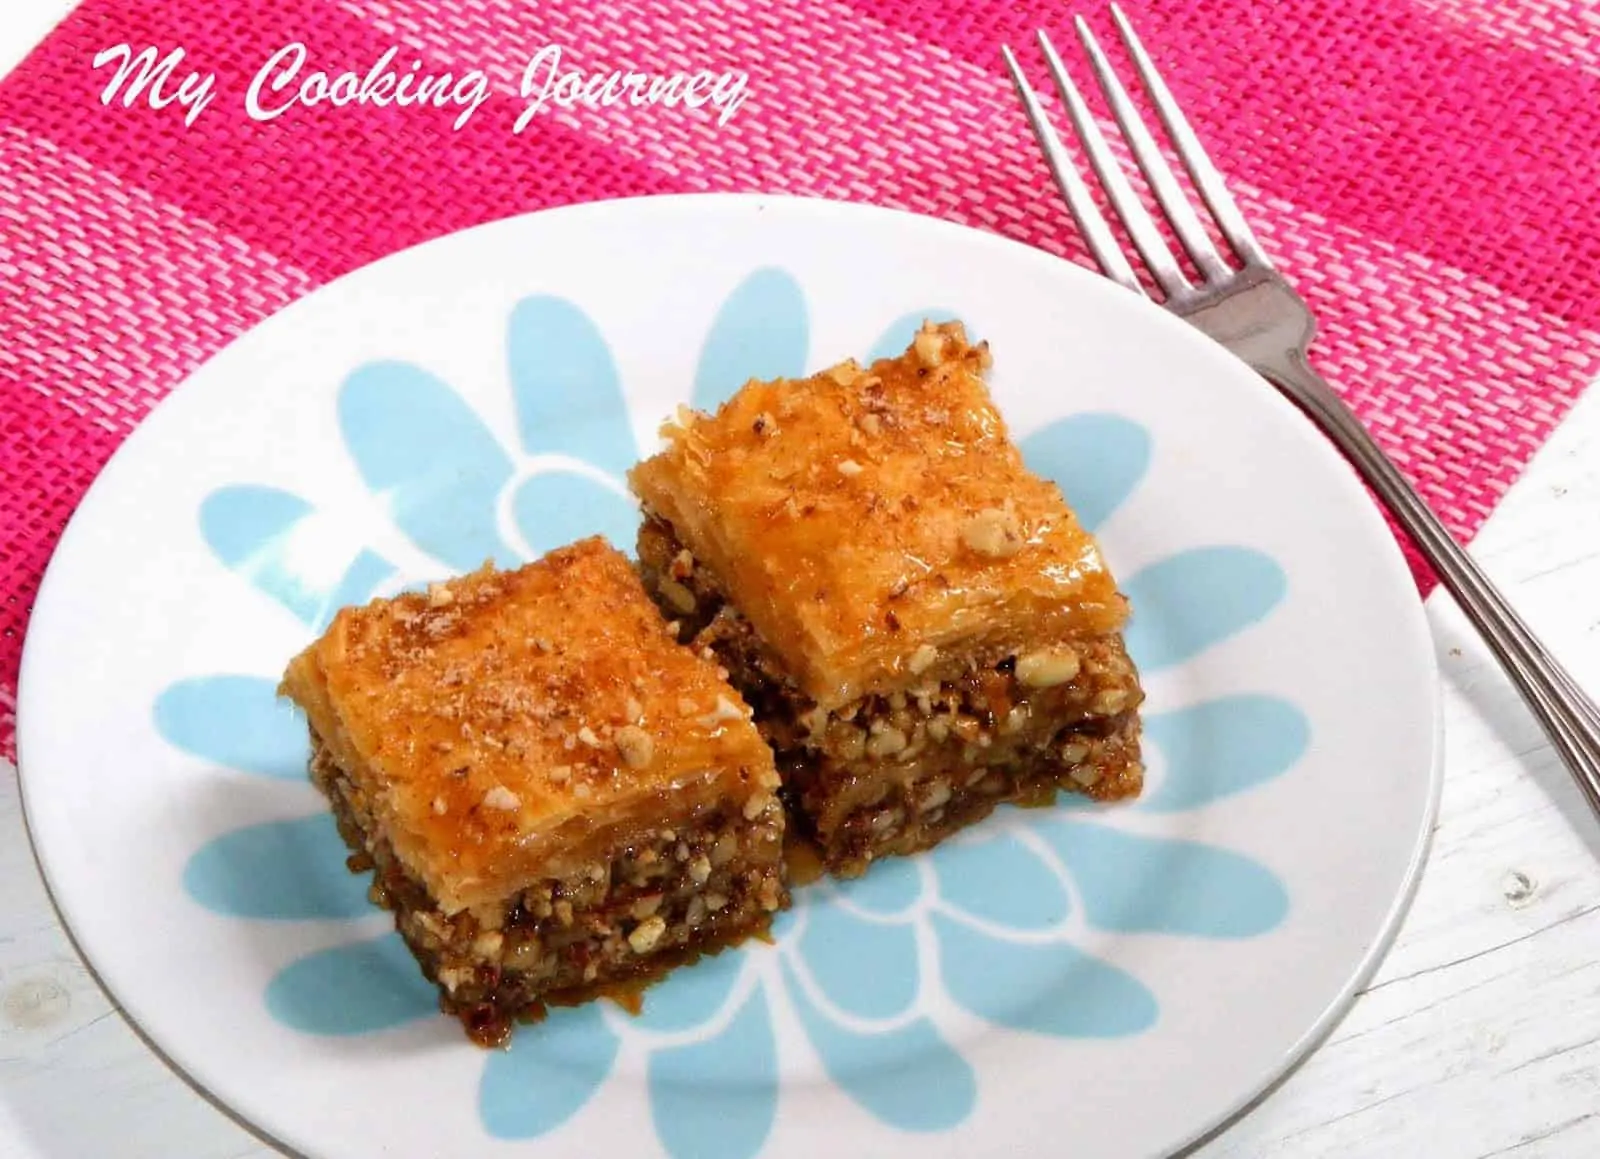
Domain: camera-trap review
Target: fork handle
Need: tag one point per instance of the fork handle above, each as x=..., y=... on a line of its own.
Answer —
x=1566, y=714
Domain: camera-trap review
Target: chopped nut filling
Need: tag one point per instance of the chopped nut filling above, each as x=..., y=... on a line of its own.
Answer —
x=633, y=917
x=897, y=773
x=1047, y=667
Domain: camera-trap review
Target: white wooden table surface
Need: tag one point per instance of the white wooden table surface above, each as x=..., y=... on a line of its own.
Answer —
x=1479, y=1036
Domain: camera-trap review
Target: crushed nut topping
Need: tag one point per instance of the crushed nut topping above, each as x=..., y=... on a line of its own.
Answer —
x=439, y=595
x=635, y=746
x=844, y=373
x=849, y=468
x=586, y=736
x=502, y=798
x=994, y=533
x=440, y=806
x=560, y=774
x=725, y=710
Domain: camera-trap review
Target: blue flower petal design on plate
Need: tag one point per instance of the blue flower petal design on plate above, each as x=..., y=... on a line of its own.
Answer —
x=717, y=1099
x=234, y=721
x=1001, y=880
x=1097, y=460
x=245, y=527
x=898, y=334
x=1049, y=987
x=569, y=398
x=554, y=508
x=1220, y=747
x=545, y=1077
x=354, y=989
x=908, y=1077
x=1196, y=598
x=284, y=870
x=417, y=444
x=1135, y=884
x=866, y=968
x=689, y=998
x=254, y=531
x=762, y=331
x=569, y=402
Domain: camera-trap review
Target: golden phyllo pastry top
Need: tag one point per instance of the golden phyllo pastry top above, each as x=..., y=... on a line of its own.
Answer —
x=504, y=726
x=874, y=522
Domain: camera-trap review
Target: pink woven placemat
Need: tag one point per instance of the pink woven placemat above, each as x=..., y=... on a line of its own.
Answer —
x=1422, y=169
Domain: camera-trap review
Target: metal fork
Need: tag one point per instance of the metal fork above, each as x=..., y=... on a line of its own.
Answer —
x=1253, y=311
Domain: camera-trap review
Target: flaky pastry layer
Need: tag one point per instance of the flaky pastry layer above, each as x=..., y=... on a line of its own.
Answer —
x=871, y=521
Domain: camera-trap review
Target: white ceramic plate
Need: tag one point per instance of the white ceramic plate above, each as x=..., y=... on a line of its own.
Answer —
x=1079, y=981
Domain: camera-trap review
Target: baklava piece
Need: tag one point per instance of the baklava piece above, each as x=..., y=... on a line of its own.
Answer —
x=556, y=798
x=922, y=626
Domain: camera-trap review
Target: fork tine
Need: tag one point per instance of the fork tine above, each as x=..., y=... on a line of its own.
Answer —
x=1185, y=222
x=1102, y=242
x=1206, y=178
x=1141, y=226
